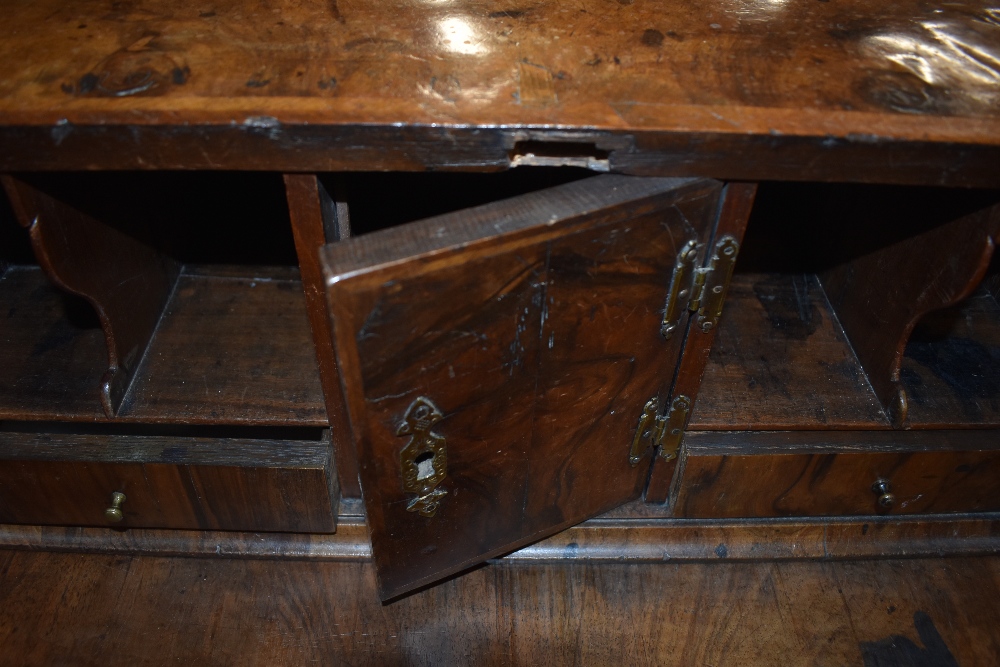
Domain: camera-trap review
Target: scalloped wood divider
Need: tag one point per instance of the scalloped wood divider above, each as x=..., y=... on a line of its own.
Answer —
x=880, y=296
x=126, y=281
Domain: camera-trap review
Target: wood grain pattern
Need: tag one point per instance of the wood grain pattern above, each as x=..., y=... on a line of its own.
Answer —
x=55, y=352
x=231, y=350
x=267, y=613
x=781, y=361
x=533, y=324
x=806, y=474
x=186, y=483
x=951, y=365
x=811, y=91
x=313, y=216
x=124, y=278
x=880, y=296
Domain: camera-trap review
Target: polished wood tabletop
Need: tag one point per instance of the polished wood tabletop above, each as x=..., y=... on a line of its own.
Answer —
x=804, y=89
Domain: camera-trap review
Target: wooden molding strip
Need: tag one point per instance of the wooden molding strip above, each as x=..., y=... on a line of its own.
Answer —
x=634, y=540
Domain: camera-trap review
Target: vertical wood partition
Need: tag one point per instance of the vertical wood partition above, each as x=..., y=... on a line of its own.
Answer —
x=126, y=281
x=316, y=219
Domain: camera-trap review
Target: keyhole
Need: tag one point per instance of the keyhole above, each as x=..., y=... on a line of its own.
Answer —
x=425, y=465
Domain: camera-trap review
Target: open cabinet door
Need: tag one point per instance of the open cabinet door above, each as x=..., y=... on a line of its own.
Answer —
x=496, y=363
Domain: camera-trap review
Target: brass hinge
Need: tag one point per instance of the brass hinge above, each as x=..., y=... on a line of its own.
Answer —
x=663, y=431
x=700, y=291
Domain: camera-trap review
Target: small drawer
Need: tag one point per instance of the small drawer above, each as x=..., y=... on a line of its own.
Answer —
x=163, y=482
x=784, y=474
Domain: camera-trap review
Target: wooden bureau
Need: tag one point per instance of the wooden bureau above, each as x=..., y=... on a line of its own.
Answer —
x=427, y=284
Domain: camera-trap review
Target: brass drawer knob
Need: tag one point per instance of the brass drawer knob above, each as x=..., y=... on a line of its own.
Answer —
x=885, y=497
x=114, y=513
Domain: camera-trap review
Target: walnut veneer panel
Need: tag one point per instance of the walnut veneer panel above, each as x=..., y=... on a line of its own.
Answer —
x=530, y=328
x=849, y=90
x=118, y=610
x=802, y=473
x=185, y=483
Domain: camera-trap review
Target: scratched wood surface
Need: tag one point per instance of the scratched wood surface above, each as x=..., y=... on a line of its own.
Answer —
x=951, y=366
x=116, y=270
x=637, y=532
x=120, y=610
x=780, y=360
x=533, y=324
x=905, y=92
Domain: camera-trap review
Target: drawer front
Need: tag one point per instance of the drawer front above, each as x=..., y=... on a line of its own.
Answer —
x=735, y=475
x=182, y=483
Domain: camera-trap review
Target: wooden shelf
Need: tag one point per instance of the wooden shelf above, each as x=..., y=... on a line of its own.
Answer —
x=782, y=362
x=233, y=347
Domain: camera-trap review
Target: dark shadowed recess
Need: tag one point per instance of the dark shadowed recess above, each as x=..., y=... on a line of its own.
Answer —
x=14, y=245
x=380, y=200
x=811, y=227
x=195, y=217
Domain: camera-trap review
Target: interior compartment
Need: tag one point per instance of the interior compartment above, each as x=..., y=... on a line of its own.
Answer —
x=781, y=358
x=231, y=344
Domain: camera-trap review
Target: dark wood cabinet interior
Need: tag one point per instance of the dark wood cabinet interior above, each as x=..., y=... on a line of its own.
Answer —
x=390, y=288
x=852, y=372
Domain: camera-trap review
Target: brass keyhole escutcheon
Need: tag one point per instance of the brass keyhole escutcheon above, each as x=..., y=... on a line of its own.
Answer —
x=114, y=513
x=424, y=459
x=886, y=499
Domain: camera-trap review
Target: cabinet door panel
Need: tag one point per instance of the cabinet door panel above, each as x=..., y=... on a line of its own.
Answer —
x=527, y=332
